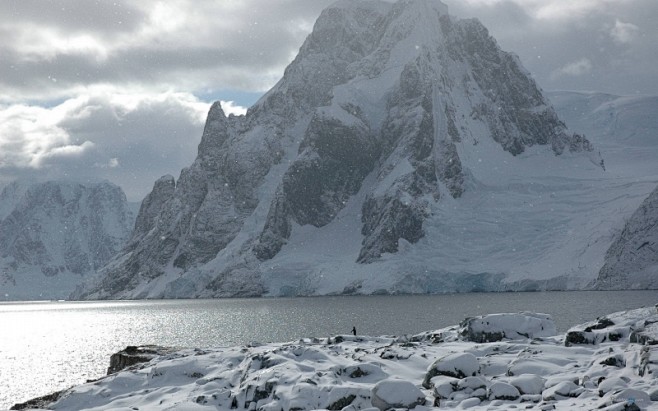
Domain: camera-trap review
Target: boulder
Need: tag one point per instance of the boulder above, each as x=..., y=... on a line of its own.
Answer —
x=444, y=386
x=597, y=332
x=528, y=384
x=564, y=389
x=647, y=335
x=459, y=365
x=653, y=395
x=632, y=399
x=502, y=391
x=496, y=327
x=612, y=384
x=472, y=383
x=389, y=394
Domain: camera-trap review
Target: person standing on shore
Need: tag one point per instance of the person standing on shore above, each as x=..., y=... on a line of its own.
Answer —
x=354, y=331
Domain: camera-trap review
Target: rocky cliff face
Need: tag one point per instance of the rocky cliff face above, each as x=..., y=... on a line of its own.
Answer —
x=58, y=232
x=632, y=259
x=375, y=122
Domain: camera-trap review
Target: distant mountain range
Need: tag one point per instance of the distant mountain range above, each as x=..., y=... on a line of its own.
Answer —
x=53, y=235
x=402, y=152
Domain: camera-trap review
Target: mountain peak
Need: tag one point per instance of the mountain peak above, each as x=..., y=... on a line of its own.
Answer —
x=389, y=113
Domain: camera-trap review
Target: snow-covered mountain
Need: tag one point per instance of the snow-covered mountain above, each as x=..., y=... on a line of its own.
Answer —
x=54, y=234
x=402, y=151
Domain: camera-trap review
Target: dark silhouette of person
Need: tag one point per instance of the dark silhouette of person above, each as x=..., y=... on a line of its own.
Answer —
x=354, y=331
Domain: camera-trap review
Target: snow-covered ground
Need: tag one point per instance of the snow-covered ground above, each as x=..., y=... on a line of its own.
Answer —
x=607, y=364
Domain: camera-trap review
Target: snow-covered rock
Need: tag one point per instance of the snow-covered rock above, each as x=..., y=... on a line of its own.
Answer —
x=503, y=391
x=562, y=390
x=496, y=327
x=388, y=394
x=54, y=235
x=615, y=327
x=350, y=374
x=458, y=365
x=530, y=384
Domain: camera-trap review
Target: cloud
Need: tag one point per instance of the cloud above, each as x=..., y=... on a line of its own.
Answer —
x=131, y=139
x=624, y=33
x=120, y=89
x=52, y=50
x=230, y=107
x=616, y=37
x=55, y=50
x=575, y=69
x=30, y=135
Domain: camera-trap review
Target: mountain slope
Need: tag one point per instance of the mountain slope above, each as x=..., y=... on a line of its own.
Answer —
x=632, y=259
x=54, y=234
x=362, y=171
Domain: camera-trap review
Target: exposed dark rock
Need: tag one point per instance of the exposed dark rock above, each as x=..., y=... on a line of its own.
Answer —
x=132, y=355
x=616, y=361
x=333, y=160
x=41, y=402
x=342, y=403
x=387, y=220
x=277, y=228
x=647, y=335
x=152, y=206
x=601, y=323
x=576, y=337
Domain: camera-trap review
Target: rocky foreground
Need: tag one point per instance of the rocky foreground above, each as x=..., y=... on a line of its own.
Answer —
x=499, y=361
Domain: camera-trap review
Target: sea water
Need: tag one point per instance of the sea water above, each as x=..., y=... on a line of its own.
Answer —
x=49, y=346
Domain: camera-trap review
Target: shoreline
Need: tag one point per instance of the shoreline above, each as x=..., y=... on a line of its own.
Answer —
x=491, y=360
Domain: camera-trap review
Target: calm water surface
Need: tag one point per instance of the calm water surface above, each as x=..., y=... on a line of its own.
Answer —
x=48, y=346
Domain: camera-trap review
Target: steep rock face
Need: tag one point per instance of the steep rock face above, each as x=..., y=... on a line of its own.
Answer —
x=59, y=229
x=379, y=108
x=333, y=160
x=152, y=206
x=186, y=223
x=632, y=259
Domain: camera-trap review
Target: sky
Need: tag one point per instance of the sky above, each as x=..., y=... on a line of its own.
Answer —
x=119, y=89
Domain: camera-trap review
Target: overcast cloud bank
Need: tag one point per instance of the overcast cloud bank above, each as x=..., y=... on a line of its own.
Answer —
x=120, y=90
